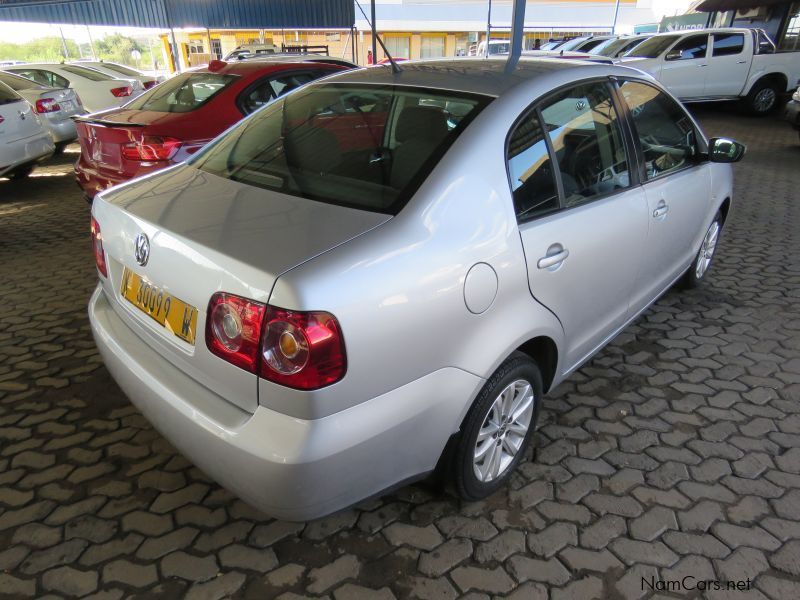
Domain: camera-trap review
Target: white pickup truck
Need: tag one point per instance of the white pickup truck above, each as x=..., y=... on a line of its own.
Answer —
x=719, y=64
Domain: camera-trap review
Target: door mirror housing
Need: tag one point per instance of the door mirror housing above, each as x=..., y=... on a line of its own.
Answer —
x=723, y=150
x=673, y=55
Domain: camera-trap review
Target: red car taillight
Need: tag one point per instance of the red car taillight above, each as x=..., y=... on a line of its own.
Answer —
x=149, y=84
x=47, y=105
x=302, y=350
x=151, y=148
x=97, y=246
x=121, y=92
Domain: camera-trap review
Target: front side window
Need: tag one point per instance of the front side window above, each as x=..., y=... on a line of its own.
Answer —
x=90, y=74
x=665, y=132
x=726, y=44
x=183, y=93
x=533, y=183
x=694, y=46
x=586, y=138
x=363, y=146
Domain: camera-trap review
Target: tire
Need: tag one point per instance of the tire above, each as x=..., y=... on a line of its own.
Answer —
x=763, y=98
x=21, y=173
x=701, y=264
x=59, y=149
x=485, y=418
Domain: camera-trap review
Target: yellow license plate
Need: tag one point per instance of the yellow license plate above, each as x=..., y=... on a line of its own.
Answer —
x=170, y=312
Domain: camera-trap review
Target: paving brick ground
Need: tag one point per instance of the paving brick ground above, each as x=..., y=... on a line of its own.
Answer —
x=675, y=452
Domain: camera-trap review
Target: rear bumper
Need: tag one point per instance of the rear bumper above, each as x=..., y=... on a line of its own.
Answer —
x=62, y=131
x=93, y=181
x=290, y=468
x=792, y=113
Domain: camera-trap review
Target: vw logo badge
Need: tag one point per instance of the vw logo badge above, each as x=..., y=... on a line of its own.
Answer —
x=141, y=249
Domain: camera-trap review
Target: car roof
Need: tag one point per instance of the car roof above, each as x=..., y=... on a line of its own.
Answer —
x=248, y=67
x=478, y=75
x=744, y=30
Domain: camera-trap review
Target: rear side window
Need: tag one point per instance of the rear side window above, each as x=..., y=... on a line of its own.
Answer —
x=7, y=95
x=533, y=183
x=726, y=44
x=86, y=73
x=183, y=93
x=585, y=134
x=272, y=87
x=694, y=46
x=666, y=134
x=367, y=147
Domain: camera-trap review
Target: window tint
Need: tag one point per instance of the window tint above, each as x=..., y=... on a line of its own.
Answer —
x=7, y=95
x=652, y=48
x=121, y=69
x=665, y=132
x=694, y=46
x=86, y=73
x=183, y=93
x=286, y=83
x=367, y=147
x=726, y=44
x=533, y=183
x=34, y=75
x=587, y=141
x=270, y=88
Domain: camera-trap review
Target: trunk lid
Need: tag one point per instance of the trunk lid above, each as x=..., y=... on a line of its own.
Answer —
x=208, y=234
x=66, y=98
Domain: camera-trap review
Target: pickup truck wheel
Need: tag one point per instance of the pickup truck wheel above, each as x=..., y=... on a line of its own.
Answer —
x=762, y=98
x=704, y=257
x=497, y=429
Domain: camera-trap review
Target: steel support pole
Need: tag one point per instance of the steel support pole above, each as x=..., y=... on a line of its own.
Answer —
x=488, y=27
x=517, y=30
x=374, y=34
x=616, y=15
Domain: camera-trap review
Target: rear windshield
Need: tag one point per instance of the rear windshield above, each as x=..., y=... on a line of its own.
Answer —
x=86, y=73
x=7, y=95
x=15, y=82
x=363, y=146
x=612, y=47
x=120, y=69
x=183, y=93
x=654, y=47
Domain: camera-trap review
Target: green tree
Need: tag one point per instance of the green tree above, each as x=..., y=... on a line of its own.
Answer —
x=46, y=49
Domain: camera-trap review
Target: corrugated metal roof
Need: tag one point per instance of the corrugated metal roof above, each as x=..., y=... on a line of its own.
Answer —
x=216, y=14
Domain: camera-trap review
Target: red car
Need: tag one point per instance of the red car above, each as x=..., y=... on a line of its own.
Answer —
x=173, y=120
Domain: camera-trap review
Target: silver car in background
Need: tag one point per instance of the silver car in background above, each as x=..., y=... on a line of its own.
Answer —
x=55, y=107
x=381, y=274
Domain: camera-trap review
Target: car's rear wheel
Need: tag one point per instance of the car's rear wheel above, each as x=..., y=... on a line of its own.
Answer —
x=705, y=255
x=497, y=429
x=21, y=173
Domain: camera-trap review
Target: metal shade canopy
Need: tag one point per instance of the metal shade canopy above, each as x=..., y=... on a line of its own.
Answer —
x=712, y=5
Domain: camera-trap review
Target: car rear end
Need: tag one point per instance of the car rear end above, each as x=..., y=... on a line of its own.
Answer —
x=259, y=394
x=162, y=127
x=56, y=107
x=23, y=139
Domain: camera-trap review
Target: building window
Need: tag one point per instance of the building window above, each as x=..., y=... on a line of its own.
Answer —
x=398, y=46
x=791, y=38
x=432, y=47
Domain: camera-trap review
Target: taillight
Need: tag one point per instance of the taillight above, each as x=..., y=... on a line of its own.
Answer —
x=121, y=92
x=149, y=84
x=97, y=245
x=302, y=350
x=233, y=329
x=47, y=105
x=151, y=148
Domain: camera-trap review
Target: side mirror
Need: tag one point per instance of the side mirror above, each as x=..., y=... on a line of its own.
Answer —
x=673, y=55
x=723, y=150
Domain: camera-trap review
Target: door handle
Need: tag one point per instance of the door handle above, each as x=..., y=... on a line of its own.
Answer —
x=742, y=62
x=554, y=257
x=661, y=210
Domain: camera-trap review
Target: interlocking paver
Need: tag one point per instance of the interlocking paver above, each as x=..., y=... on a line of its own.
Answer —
x=675, y=451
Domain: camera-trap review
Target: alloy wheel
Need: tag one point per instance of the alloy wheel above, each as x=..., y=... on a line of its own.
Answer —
x=503, y=431
x=707, y=250
x=765, y=100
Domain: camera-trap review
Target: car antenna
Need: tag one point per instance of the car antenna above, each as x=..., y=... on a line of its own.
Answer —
x=395, y=67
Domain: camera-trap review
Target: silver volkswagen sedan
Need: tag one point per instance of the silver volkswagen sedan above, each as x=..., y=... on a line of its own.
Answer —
x=381, y=274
